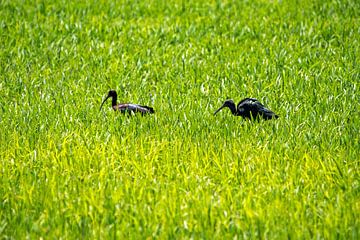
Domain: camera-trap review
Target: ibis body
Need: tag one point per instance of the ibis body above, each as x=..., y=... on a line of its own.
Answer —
x=126, y=107
x=248, y=108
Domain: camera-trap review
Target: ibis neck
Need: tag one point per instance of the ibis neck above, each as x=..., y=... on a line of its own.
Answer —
x=233, y=109
x=113, y=100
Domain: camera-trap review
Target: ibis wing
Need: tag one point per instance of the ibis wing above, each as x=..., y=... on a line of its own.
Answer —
x=130, y=107
x=247, y=102
x=252, y=108
x=267, y=113
x=144, y=109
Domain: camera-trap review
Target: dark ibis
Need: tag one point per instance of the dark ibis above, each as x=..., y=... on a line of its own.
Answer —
x=249, y=108
x=126, y=107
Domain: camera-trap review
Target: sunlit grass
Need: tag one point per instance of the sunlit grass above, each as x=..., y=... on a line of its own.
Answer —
x=69, y=170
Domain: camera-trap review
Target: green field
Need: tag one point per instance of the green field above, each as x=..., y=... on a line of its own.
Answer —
x=70, y=171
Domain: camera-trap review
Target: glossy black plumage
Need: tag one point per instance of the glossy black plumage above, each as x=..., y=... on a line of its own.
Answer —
x=126, y=107
x=249, y=108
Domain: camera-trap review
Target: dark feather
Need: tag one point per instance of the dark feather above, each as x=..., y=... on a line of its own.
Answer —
x=249, y=108
x=135, y=108
x=127, y=107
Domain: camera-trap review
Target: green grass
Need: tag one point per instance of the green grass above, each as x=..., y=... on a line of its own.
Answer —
x=70, y=171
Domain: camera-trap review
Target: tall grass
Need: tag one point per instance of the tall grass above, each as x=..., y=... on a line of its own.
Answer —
x=71, y=171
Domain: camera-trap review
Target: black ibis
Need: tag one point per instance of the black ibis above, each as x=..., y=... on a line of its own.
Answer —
x=249, y=108
x=126, y=107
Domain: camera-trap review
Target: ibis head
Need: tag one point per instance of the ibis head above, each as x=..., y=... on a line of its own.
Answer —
x=113, y=95
x=228, y=103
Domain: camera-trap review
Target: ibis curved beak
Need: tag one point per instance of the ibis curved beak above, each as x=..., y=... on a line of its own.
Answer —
x=219, y=109
x=104, y=101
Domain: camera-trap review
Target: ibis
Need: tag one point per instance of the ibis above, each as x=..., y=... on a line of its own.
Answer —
x=126, y=107
x=248, y=108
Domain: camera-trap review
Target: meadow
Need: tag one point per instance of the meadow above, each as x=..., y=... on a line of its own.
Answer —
x=70, y=171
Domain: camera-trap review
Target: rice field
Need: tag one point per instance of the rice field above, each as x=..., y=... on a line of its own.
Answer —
x=71, y=171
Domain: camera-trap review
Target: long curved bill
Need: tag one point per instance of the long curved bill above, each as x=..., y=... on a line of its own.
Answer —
x=219, y=109
x=104, y=102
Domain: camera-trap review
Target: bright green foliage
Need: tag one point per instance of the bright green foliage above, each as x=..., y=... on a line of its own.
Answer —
x=70, y=171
